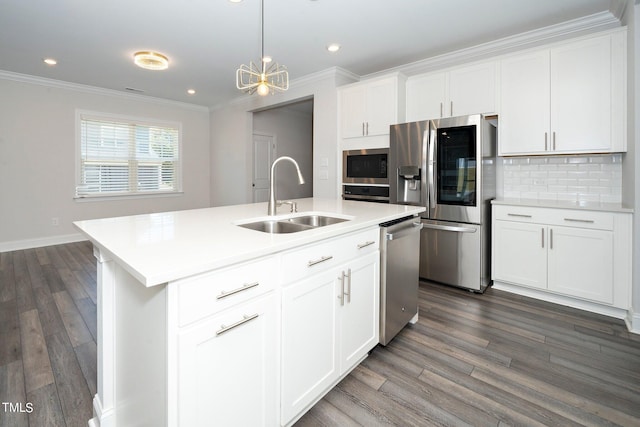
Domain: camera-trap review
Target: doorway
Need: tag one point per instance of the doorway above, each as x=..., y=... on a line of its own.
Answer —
x=290, y=130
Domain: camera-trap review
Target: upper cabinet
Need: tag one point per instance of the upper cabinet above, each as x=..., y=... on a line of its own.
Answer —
x=567, y=99
x=368, y=108
x=460, y=91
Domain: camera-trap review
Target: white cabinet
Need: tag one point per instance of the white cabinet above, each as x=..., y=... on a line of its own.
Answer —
x=459, y=91
x=228, y=364
x=226, y=353
x=330, y=317
x=580, y=254
x=569, y=98
x=368, y=108
x=520, y=254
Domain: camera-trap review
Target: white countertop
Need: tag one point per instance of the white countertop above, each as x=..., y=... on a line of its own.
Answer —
x=158, y=248
x=561, y=204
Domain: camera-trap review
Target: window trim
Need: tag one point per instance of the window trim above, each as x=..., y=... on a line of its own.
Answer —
x=123, y=195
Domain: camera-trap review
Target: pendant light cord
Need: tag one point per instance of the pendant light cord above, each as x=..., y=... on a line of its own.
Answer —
x=262, y=36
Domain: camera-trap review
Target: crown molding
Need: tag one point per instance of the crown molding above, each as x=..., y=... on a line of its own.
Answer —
x=573, y=28
x=94, y=90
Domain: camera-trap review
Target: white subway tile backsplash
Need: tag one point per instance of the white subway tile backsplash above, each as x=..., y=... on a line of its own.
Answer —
x=589, y=178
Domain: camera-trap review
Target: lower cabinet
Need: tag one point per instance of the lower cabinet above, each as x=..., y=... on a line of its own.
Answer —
x=580, y=254
x=329, y=323
x=228, y=367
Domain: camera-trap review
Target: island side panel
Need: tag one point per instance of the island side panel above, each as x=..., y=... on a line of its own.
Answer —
x=132, y=349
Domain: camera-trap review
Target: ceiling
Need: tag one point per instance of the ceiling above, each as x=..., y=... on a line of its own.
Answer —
x=206, y=40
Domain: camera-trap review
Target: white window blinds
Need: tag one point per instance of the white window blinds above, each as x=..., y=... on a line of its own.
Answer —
x=121, y=157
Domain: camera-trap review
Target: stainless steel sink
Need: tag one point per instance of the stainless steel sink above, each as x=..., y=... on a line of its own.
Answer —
x=292, y=225
x=316, y=220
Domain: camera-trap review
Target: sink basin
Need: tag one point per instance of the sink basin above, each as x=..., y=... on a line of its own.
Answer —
x=316, y=220
x=276, y=227
x=292, y=224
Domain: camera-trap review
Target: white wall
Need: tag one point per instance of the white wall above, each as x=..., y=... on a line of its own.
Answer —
x=292, y=131
x=231, y=137
x=37, y=158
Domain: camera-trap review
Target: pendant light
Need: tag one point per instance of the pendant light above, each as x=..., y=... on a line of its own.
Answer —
x=267, y=78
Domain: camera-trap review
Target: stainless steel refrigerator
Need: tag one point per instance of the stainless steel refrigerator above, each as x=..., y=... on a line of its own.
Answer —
x=448, y=165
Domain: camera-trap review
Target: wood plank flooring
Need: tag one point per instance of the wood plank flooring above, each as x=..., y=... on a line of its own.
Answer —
x=483, y=360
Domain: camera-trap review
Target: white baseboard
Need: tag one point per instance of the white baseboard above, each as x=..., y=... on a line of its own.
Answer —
x=18, y=245
x=633, y=322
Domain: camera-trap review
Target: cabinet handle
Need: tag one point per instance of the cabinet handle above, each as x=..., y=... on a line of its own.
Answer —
x=519, y=215
x=244, y=287
x=441, y=109
x=551, y=238
x=367, y=128
x=341, y=296
x=452, y=108
x=365, y=244
x=318, y=261
x=362, y=128
x=546, y=142
x=542, y=234
x=244, y=320
x=587, y=221
x=348, y=294
x=554, y=141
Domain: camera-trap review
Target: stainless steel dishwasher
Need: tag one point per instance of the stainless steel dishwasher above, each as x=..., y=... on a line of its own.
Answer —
x=399, y=269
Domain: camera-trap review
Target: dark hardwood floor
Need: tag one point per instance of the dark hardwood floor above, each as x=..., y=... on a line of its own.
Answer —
x=494, y=359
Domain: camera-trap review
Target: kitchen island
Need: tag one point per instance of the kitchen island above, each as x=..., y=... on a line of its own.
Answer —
x=204, y=322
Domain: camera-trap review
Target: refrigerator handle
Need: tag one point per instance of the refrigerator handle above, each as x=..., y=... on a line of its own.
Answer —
x=431, y=163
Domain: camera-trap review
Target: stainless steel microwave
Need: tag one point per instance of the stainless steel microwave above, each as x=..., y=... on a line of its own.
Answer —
x=367, y=166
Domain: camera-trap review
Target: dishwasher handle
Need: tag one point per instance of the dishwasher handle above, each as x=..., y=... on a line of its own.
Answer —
x=416, y=226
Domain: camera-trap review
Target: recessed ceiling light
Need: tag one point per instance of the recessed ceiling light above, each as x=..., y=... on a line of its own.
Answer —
x=333, y=47
x=50, y=61
x=191, y=92
x=151, y=60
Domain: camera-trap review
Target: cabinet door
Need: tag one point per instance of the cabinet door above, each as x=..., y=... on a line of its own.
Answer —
x=353, y=111
x=520, y=253
x=472, y=90
x=360, y=310
x=581, y=263
x=524, y=104
x=426, y=97
x=221, y=374
x=381, y=107
x=581, y=96
x=309, y=345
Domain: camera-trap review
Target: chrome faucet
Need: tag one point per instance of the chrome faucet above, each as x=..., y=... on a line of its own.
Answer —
x=272, y=183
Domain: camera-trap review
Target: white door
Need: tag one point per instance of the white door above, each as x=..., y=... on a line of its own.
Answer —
x=472, y=90
x=581, y=263
x=360, y=314
x=264, y=148
x=426, y=96
x=524, y=104
x=520, y=253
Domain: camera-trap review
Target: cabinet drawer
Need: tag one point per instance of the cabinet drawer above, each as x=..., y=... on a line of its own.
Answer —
x=551, y=216
x=315, y=258
x=209, y=293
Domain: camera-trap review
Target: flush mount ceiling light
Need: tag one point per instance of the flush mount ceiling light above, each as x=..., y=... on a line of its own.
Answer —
x=151, y=60
x=50, y=61
x=333, y=47
x=267, y=78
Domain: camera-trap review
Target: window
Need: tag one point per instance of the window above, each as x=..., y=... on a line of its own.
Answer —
x=119, y=156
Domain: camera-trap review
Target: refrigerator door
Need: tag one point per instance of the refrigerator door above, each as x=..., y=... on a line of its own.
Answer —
x=452, y=253
x=455, y=157
x=407, y=171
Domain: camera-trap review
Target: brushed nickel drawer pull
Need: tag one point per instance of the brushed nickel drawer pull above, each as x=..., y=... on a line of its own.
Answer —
x=519, y=215
x=244, y=287
x=341, y=296
x=542, y=234
x=348, y=294
x=244, y=319
x=587, y=221
x=551, y=238
x=546, y=145
x=365, y=244
x=318, y=261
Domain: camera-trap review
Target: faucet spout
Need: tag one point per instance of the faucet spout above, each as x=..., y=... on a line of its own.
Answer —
x=272, y=182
